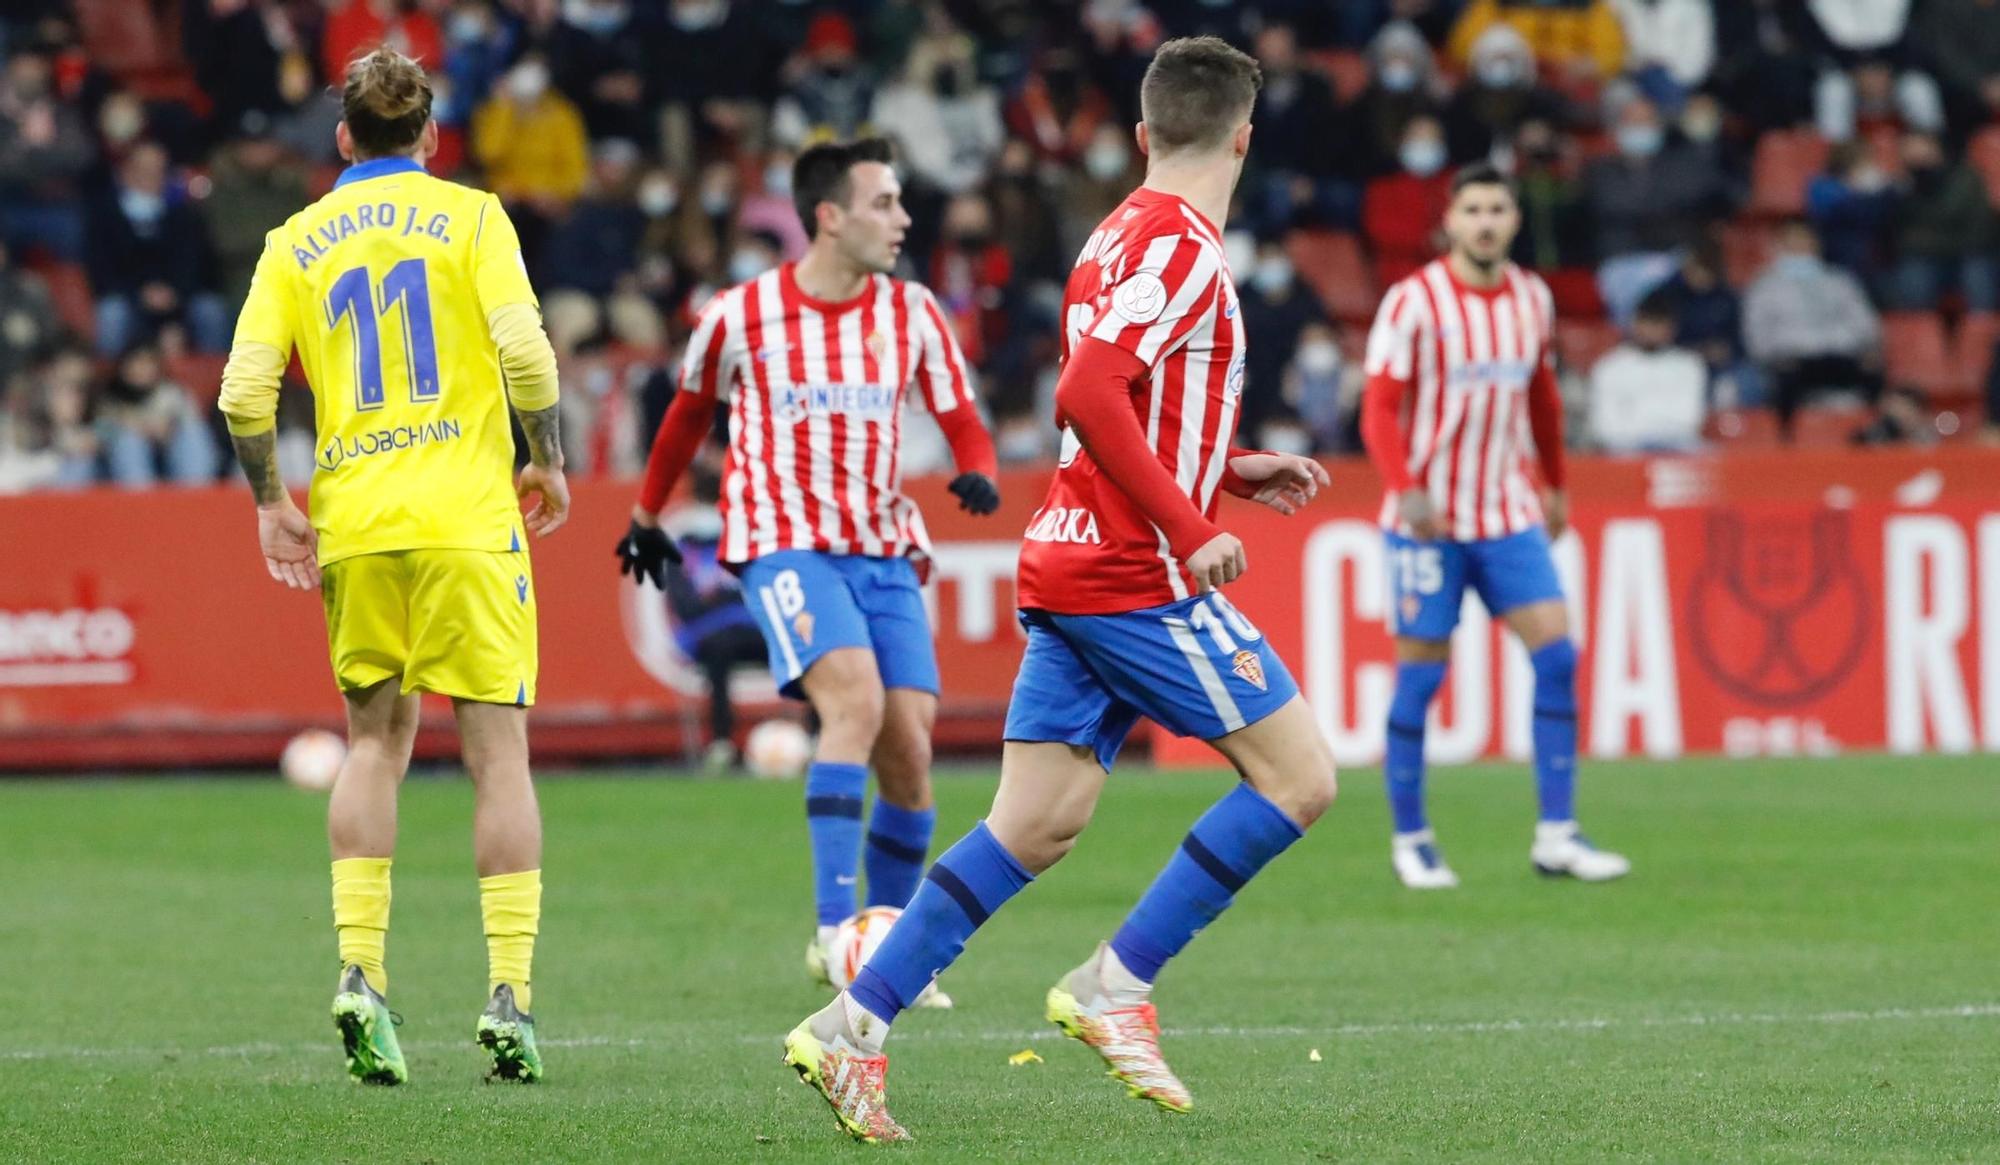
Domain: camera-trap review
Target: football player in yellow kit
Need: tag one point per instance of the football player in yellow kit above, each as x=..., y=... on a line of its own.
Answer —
x=408, y=304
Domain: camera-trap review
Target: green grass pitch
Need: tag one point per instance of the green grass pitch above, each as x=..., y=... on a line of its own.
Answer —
x=1804, y=967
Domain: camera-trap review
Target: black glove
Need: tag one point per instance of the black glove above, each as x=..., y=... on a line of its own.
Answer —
x=645, y=551
x=976, y=492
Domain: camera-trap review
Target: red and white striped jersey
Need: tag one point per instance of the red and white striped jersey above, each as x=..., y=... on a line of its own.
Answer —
x=1152, y=280
x=815, y=393
x=1466, y=358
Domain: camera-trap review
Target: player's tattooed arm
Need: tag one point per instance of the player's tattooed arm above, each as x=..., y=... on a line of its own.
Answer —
x=543, y=428
x=259, y=457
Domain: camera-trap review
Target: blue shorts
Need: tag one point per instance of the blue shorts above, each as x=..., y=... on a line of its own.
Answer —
x=1427, y=580
x=808, y=603
x=1196, y=666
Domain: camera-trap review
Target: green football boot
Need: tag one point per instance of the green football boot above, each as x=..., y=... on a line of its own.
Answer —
x=509, y=1034
x=368, y=1032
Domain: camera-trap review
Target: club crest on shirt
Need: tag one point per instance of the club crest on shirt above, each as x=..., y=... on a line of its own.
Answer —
x=802, y=626
x=1412, y=607
x=1140, y=299
x=1251, y=669
x=877, y=345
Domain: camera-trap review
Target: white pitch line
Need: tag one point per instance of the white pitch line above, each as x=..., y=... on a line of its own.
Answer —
x=1339, y=1031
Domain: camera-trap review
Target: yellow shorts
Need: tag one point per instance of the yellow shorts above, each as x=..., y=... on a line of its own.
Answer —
x=459, y=623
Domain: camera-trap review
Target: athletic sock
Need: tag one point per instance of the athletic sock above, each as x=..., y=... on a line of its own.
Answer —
x=511, y=907
x=1237, y=837
x=969, y=882
x=1403, y=764
x=361, y=916
x=1555, y=729
x=898, y=841
x=833, y=817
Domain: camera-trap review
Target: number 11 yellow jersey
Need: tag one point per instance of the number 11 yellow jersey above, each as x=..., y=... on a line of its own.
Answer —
x=384, y=286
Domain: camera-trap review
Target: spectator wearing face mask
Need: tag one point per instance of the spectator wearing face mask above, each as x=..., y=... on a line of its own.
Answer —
x=1648, y=395
x=831, y=93
x=530, y=141
x=254, y=186
x=1400, y=212
x=1277, y=309
x=477, y=46
x=1296, y=180
x=1811, y=327
x=768, y=209
x=591, y=252
x=1555, y=218
x=1580, y=37
x=45, y=150
x=152, y=430
x=1708, y=320
x=597, y=53
x=970, y=274
x=1402, y=84
x=1652, y=198
x=150, y=262
x=946, y=124
x=1499, y=94
x=1944, y=230
x=1327, y=403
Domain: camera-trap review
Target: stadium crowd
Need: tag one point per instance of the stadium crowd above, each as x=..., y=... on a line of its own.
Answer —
x=1762, y=219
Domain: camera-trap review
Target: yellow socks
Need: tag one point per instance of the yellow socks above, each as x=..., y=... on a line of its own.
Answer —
x=361, y=916
x=511, y=905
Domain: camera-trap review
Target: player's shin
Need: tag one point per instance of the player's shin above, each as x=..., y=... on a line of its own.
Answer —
x=968, y=883
x=833, y=819
x=1235, y=839
x=898, y=840
x=510, y=907
x=1555, y=729
x=361, y=916
x=1417, y=683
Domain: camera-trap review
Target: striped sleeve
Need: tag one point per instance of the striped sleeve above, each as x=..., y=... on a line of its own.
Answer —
x=1157, y=304
x=1392, y=342
x=705, y=364
x=941, y=368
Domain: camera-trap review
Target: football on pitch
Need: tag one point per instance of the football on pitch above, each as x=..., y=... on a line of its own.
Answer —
x=857, y=939
x=312, y=760
x=777, y=749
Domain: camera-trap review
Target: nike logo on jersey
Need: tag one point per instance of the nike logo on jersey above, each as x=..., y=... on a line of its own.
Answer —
x=1229, y=310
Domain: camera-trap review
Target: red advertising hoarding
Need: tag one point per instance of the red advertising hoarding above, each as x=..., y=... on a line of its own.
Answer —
x=1748, y=604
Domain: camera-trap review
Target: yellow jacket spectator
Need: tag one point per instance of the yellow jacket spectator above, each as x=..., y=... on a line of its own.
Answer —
x=1582, y=35
x=529, y=138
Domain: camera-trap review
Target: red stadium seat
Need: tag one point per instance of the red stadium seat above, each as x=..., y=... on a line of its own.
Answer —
x=1332, y=263
x=1972, y=351
x=69, y=289
x=1785, y=161
x=1575, y=291
x=1579, y=343
x=1347, y=69
x=1742, y=428
x=198, y=372
x=1913, y=350
x=1747, y=247
x=1983, y=151
x=1826, y=428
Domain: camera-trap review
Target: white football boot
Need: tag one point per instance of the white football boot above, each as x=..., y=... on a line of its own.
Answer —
x=1560, y=851
x=1418, y=863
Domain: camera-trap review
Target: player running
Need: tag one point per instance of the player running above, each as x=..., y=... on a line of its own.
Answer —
x=1460, y=378
x=412, y=316
x=1119, y=593
x=814, y=359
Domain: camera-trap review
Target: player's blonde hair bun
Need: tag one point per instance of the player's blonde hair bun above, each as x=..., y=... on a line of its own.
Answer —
x=386, y=101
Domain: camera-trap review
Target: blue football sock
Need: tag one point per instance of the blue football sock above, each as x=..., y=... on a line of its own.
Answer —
x=969, y=882
x=1233, y=840
x=1555, y=729
x=833, y=817
x=898, y=840
x=1403, y=764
